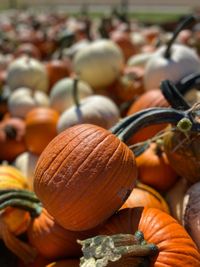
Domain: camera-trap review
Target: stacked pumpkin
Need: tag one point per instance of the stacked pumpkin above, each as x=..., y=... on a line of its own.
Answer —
x=76, y=115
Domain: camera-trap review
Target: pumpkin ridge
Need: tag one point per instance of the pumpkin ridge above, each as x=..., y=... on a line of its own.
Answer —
x=90, y=153
x=149, y=191
x=100, y=173
x=43, y=158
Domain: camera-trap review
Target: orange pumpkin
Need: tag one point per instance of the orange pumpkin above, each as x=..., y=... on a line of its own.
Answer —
x=41, y=125
x=80, y=165
x=176, y=248
x=12, y=143
x=53, y=241
x=155, y=170
x=153, y=98
x=145, y=196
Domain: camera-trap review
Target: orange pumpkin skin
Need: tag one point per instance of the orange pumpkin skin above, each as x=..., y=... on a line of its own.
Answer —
x=176, y=248
x=154, y=169
x=145, y=196
x=152, y=98
x=82, y=164
x=41, y=125
x=65, y=263
x=53, y=241
x=12, y=142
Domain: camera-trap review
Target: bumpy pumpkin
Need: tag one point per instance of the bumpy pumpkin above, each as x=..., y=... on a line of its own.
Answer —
x=40, y=128
x=81, y=164
x=175, y=246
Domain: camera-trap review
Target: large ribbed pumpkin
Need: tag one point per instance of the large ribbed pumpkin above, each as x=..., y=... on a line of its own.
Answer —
x=176, y=248
x=84, y=175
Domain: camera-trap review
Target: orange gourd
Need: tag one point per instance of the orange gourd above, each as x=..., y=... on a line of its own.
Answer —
x=145, y=196
x=77, y=168
x=175, y=246
x=40, y=128
x=154, y=168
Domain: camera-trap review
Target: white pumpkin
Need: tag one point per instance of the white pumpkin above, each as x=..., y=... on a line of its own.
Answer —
x=26, y=163
x=183, y=61
x=61, y=95
x=99, y=63
x=22, y=100
x=27, y=72
x=97, y=109
x=139, y=60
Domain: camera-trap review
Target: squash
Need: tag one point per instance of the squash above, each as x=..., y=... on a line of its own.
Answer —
x=27, y=72
x=12, y=138
x=61, y=95
x=145, y=196
x=99, y=63
x=172, y=61
x=14, y=205
x=175, y=247
x=53, y=241
x=94, y=161
x=191, y=213
x=40, y=128
x=28, y=49
x=22, y=100
x=97, y=109
x=154, y=168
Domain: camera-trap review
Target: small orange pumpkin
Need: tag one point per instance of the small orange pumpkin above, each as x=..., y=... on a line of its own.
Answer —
x=145, y=196
x=154, y=168
x=41, y=125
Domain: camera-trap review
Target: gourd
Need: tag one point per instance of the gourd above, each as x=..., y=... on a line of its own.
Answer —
x=167, y=242
x=12, y=138
x=145, y=196
x=17, y=203
x=78, y=166
x=97, y=109
x=22, y=100
x=27, y=72
x=173, y=61
x=99, y=63
x=40, y=128
x=61, y=95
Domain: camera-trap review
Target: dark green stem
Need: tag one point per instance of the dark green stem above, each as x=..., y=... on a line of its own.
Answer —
x=173, y=96
x=75, y=93
x=33, y=208
x=189, y=82
x=186, y=22
x=18, y=195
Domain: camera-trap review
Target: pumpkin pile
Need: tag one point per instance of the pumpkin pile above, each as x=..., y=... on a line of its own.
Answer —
x=99, y=142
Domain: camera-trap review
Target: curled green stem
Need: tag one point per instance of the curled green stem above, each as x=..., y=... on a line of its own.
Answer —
x=18, y=195
x=33, y=208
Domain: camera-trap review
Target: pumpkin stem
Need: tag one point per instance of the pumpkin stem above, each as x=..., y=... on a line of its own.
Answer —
x=184, y=125
x=156, y=116
x=34, y=208
x=182, y=25
x=123, y=249
x=75, y=93
x=188, y=82
x=173, y=96
x=24, y=251
x=10, y=131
